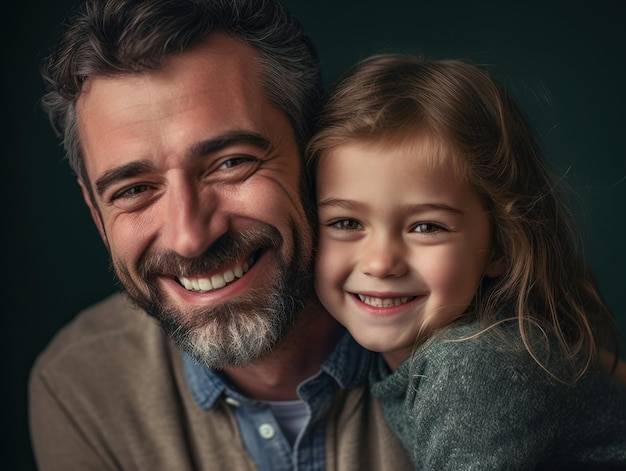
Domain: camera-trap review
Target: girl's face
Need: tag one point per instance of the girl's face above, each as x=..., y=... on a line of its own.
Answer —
x=403, y=243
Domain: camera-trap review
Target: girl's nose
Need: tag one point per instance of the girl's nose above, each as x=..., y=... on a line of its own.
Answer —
x=383, y=257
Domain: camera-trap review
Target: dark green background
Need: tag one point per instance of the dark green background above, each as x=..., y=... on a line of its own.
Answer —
x=564, y=60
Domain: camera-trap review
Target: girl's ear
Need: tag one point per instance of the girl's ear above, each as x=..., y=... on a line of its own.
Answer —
x=496, y=266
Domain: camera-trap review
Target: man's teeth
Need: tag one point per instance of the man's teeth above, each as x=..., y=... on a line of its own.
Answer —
x=384, y=302
x=216, y=281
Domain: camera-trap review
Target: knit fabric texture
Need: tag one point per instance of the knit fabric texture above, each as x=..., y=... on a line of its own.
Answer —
x=470, y=399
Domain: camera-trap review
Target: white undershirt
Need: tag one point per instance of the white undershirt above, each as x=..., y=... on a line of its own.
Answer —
x=292, y=416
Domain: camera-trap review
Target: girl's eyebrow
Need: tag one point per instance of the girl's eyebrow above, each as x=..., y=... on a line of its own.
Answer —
x=411, y=208
x=417, y=208
x=339, y=203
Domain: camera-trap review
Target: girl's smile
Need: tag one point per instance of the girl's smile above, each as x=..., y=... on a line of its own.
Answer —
x=385, y=305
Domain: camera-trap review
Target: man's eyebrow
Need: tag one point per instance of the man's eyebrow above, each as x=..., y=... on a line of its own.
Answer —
x=120, y=173
x=202, y=148
x=226, y=140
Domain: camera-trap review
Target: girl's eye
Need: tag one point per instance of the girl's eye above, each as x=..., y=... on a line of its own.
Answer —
x=427, y=228
x=347, y=225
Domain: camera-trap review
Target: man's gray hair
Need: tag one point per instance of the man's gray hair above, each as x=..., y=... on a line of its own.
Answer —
x=111, y=37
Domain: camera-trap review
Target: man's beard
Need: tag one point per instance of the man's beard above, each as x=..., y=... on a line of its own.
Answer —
x=233, y=332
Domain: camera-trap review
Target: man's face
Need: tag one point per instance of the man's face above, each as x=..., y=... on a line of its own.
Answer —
x=196, y=192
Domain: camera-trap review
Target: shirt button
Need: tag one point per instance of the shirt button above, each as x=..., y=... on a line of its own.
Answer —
x=232, y=402
x=266, y=431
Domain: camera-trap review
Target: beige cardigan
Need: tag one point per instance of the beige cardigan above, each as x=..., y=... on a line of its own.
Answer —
x=109, y=394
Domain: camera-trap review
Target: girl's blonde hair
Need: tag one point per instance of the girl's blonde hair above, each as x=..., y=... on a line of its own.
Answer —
x=389, y=97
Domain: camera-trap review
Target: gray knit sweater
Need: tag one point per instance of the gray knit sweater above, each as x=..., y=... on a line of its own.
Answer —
x=484, y=404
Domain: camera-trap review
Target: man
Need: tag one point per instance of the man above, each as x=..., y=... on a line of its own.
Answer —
x=185, y=122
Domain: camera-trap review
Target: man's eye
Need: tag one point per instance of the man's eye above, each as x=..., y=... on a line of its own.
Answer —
x=347, y=224
x=427, y=228
x=130, y=192
x=235, y=161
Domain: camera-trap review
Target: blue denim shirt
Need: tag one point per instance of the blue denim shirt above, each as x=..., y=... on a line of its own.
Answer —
x=345, y=368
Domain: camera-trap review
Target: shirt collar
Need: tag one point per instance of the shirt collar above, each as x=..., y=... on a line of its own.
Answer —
x=347, y=365
x=206, y=385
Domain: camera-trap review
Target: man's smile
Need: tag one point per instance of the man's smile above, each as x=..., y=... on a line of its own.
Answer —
x=217, y=280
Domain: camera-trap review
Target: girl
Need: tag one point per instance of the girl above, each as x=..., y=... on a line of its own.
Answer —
x=444, y=245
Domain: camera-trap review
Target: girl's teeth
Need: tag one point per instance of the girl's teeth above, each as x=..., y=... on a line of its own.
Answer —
x=383, y=302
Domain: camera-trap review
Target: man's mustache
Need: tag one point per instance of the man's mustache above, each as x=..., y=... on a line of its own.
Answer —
x=229, y=249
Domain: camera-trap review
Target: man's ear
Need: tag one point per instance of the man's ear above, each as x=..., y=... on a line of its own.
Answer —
x=95, y=212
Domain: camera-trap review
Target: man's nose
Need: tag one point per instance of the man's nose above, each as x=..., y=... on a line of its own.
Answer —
x=383, y=256
x=192, y=219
